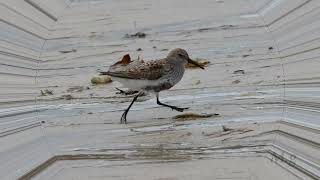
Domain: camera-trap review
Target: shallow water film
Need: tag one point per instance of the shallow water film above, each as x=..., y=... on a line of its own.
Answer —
x=254, y=112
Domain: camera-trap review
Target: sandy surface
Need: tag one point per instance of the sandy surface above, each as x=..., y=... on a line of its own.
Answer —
x=244, y=167
x=264, y=68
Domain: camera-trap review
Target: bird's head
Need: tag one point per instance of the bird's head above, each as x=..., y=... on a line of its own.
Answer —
x=181, y=56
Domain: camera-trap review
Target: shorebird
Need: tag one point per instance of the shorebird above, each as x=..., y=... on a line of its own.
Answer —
x=151, y=76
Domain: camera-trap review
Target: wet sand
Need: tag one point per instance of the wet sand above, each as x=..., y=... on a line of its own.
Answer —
x=262, y=80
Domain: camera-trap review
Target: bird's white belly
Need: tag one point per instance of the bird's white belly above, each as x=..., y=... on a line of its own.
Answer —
x=136, y=84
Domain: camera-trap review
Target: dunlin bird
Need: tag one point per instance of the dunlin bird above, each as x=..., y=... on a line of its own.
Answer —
x=152, y=76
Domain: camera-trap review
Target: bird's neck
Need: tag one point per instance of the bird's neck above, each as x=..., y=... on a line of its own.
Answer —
x=175, y=63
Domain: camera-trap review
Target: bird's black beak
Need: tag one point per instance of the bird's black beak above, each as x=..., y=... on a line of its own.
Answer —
x=195, y=63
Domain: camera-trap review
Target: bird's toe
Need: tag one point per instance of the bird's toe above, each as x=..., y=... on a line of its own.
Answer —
x=123, y=119
x=180, y=109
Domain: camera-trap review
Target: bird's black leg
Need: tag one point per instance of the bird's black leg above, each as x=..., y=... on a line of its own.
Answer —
x=123, y=119
x=172, y=107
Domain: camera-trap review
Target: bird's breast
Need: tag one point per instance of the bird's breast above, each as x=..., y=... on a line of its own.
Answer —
x=176, y=74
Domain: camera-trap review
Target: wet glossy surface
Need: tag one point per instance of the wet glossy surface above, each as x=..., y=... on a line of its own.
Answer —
x=264, y=67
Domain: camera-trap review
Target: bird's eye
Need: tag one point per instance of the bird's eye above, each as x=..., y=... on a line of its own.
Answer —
x=180, y=55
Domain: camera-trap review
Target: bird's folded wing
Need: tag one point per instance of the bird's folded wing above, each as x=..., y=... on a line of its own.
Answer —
x=151, y=70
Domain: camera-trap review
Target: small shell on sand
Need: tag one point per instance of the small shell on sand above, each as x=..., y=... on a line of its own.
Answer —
x=236, y=81
x=46, y=92
x=202, y=62
x=101, y=79
x=136, y=35
x=67, y=97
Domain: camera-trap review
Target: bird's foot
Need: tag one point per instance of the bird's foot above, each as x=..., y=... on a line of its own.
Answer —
x=128, y=92
x=172, y=107
x=178, y=108
x=123, y=119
